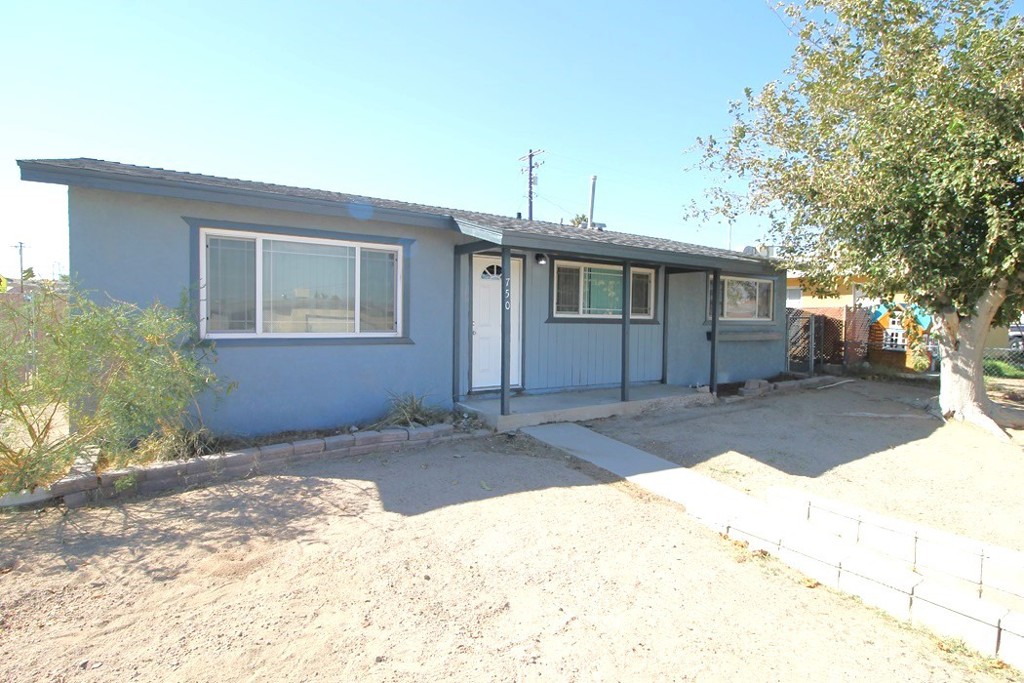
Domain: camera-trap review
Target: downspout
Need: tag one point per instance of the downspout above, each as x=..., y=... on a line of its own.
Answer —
x=627, y=306
x=715, y=280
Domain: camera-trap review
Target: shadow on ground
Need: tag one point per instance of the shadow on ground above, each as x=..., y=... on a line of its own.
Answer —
x=805, y=434
x=143, y=533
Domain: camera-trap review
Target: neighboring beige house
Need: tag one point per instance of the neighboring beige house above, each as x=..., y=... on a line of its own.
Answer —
x=798, y=295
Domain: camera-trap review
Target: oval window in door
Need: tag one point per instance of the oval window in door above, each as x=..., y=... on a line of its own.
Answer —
x=492, y=272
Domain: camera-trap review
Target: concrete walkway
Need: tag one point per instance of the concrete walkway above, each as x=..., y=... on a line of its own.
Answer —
x=922, y=595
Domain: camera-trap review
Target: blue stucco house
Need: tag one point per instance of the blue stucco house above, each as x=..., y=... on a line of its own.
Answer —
x=321, y=303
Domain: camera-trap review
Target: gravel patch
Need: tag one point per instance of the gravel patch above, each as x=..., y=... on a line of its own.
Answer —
x=484, y=559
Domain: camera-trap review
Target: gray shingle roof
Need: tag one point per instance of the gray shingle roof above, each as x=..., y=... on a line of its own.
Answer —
x=503, y=225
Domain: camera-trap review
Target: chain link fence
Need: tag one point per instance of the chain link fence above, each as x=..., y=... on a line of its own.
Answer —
x=1005, y=363
x=845, y=337
x=799, y=333
x=825, y=336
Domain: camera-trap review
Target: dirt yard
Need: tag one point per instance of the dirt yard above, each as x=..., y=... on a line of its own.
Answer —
x=866, y=443
x=489, y=559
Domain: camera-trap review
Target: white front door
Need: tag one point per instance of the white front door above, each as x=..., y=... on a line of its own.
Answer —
x=487, y=283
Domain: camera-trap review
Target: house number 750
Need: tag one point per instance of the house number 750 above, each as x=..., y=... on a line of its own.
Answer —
x=508, y=294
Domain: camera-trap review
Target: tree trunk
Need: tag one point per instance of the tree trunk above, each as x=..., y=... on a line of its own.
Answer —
x=961, y=341
x=962, y=393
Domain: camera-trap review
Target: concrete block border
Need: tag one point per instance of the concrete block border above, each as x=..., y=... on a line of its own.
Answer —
x=78, y=488
x=889, y=581
x=975, y=621
x=985, y=567
x=835, y=553
x=1011, y=639
x=891, y=584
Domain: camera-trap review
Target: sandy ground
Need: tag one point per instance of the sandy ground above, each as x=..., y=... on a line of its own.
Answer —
x=492, y=559
x=867, y=443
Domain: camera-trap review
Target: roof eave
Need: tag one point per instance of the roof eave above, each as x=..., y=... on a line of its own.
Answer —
x=480, y=232
x=99, y=180
x=549, y=243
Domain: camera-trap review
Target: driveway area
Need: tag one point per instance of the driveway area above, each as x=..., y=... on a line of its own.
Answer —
x=478, y=560
x=869, y=444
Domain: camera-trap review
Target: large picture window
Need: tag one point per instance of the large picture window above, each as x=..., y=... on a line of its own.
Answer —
x=744, y=299
x=257, y=285
x=584, y=290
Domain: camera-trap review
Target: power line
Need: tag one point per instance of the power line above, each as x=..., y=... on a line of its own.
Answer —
x=553, y=202
x=617, y=170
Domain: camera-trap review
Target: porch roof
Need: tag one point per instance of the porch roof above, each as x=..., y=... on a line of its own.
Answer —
x=557, y=239
x=493, y=229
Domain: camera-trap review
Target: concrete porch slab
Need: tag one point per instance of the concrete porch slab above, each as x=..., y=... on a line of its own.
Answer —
x=576, y=406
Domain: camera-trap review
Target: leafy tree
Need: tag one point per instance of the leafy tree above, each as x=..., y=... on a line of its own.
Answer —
x=894, y=149
x=579, y=220
x=28, y=274
x=77, y=376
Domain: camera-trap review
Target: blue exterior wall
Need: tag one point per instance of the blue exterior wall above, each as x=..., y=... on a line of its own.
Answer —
x=562, y=354
x=142, y=249
x=574, y=355
x=138, y=249
x=559, y=355
x=746, y=350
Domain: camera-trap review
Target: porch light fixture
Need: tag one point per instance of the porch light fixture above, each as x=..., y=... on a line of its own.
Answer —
x=541, y=259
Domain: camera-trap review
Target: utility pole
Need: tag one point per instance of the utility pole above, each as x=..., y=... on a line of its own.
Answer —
x=532, y=179
x=20, y=246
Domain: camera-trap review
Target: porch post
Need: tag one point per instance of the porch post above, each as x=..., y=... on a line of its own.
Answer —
x=456, y=324
x=506, y=327
x=715, y=280
x=664, y=326
x=627, y=305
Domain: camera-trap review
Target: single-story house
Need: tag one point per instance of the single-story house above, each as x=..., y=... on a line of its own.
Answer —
x=322, y=304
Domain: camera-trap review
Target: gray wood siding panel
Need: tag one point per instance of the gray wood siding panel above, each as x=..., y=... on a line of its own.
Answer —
x=563, y=355
x=139, y=249
x=689, y=350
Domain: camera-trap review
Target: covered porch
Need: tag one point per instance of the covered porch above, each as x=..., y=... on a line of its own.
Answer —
x=552, y=323
x=526, y=409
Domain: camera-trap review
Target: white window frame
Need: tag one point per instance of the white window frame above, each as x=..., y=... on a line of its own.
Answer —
x=580, y=265
x=258, y=237
x=724, y=315
x=894, y=336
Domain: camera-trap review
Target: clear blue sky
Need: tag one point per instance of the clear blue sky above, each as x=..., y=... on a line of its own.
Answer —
x=416, y=101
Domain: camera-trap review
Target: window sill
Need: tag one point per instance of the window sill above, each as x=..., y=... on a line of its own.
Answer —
x=747, y=336
x=736, y=322
x=602, y=321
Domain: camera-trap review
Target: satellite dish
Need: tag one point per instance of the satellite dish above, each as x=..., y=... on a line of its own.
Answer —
x=750, y=251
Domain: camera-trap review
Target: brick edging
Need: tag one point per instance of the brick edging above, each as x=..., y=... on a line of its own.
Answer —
x=78, y=489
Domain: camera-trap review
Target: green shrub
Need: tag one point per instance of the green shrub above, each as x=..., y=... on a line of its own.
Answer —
x=77, y=375
x=1001, y=368
x=409, y=410
x=919, y=362
x=176, y=442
